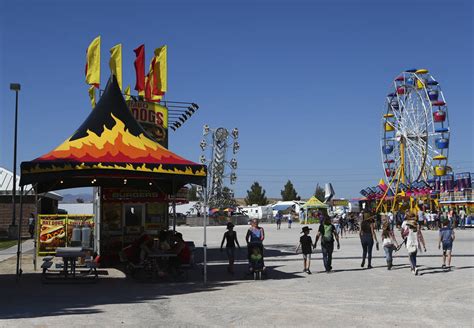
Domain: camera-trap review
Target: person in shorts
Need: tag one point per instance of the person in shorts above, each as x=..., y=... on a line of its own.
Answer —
x=306, y=245
x=446, y=238
x=230, y=236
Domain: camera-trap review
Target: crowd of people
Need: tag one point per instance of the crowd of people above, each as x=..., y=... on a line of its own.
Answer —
x=392, y=232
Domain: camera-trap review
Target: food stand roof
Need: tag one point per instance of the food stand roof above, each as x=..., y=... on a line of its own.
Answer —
x=110, y=149
x=313, y=202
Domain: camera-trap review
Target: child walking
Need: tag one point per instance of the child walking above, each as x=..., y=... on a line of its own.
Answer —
x=231, y=237
x=446, y=237
x=306, y=244
x=389, y=243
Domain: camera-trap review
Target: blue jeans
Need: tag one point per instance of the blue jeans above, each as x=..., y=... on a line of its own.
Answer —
x=462, y=223
x=367, y=245
x=388, y=252
x=413, y=259
x=327, y=250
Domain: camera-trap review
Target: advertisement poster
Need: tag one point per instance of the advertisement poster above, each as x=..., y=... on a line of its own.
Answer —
x=153, y=118
x=52, y=233
x=78, y=221
x=56, y=231
x=155, y=216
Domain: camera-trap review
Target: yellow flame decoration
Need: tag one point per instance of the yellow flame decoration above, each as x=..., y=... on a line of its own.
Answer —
x=127, y=167
x=110, y=135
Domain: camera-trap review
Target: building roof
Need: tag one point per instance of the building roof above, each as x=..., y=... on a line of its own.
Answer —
x=6, y=186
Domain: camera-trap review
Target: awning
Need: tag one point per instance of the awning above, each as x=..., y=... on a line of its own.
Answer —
x=111, y=149
x=313, y=202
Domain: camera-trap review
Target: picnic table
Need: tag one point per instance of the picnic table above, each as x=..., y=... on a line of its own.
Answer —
x=69, y=266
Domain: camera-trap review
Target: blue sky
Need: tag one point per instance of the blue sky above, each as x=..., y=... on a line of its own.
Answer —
x=304, y=81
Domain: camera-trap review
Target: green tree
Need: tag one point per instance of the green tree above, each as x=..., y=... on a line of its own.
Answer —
x=223, y=199
x=256, y=195
x=319, y=193
x=192, y=194
x=289, y=192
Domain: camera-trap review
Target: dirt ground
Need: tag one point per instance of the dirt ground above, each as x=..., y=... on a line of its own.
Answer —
x=349, y=296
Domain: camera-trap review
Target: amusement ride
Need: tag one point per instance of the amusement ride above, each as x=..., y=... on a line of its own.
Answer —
x=415, y=138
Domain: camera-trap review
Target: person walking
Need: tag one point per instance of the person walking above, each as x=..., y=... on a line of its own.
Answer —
x=254, y=238
x=462, y=218
x=306, y=244
x=278, y=218
x=367, y=237
x=328, y=234
x=31, y=225
x=414, y=241
x=290, y=219
x=446, y=237
x=230, y=236
x=389, y=243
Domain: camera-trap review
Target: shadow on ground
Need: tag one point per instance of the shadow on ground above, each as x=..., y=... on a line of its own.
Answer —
x=30, y=298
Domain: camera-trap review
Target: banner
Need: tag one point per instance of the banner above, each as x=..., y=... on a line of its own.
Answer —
x=52, y=233
x=153, y=118
x=78, y=221
x=93, y=63
x=55, y=230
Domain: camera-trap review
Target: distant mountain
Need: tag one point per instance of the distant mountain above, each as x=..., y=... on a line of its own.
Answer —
x=72, y=198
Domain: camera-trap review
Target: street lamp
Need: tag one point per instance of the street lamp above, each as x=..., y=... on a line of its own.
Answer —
x=14, y=87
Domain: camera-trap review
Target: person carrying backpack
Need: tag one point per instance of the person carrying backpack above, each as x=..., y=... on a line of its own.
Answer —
x=328, y=233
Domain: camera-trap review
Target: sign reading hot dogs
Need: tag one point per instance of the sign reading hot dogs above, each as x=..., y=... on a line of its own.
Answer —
x=153, y=118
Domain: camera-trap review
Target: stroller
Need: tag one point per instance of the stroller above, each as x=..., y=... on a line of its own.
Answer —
x=255, y=257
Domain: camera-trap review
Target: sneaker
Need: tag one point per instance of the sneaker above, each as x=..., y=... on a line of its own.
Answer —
x=369, y=267
x=308, y=272
x=443, y=266
x=362, y=264
x=416, y=271
x=304, y=270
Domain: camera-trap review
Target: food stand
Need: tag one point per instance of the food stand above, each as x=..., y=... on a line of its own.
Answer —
x=134, y=175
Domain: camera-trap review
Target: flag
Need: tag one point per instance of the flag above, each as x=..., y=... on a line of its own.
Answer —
x=127, y=93
x=93, y=63
x=92, y=95
x=115, y=63
x=160, y=84
x=150, y=80
x=149, y=96
x=140, y=69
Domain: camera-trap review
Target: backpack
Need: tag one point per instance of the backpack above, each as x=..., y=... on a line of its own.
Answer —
x=328, y=234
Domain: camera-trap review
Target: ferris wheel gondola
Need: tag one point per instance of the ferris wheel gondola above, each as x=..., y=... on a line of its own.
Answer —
x=415, y=130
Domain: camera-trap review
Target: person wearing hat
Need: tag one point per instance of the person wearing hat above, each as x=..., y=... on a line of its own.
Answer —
x=306, y=244
x=414, y=240
x=231, y=237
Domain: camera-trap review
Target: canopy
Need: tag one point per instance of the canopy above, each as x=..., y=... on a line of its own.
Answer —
x=313, y=202
x=111, y=149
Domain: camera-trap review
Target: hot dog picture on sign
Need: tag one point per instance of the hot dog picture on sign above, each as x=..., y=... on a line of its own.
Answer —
x=52, y=233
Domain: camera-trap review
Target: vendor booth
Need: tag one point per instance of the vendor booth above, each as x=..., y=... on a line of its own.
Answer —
x=135, y=177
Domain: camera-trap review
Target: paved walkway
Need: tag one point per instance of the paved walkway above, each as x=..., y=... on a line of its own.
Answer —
x=350, y=296
x=10, y=252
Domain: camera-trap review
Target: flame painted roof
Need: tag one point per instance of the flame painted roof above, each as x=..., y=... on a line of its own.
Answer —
x=110, y=146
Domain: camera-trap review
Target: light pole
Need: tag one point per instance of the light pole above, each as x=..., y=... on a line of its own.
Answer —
x=14, y=87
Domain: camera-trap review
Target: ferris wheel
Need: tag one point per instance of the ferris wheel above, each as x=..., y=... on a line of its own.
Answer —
x=415, y=130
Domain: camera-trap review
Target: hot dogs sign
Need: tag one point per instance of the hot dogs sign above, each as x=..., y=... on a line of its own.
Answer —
x=55, y=230
x=153, y=118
